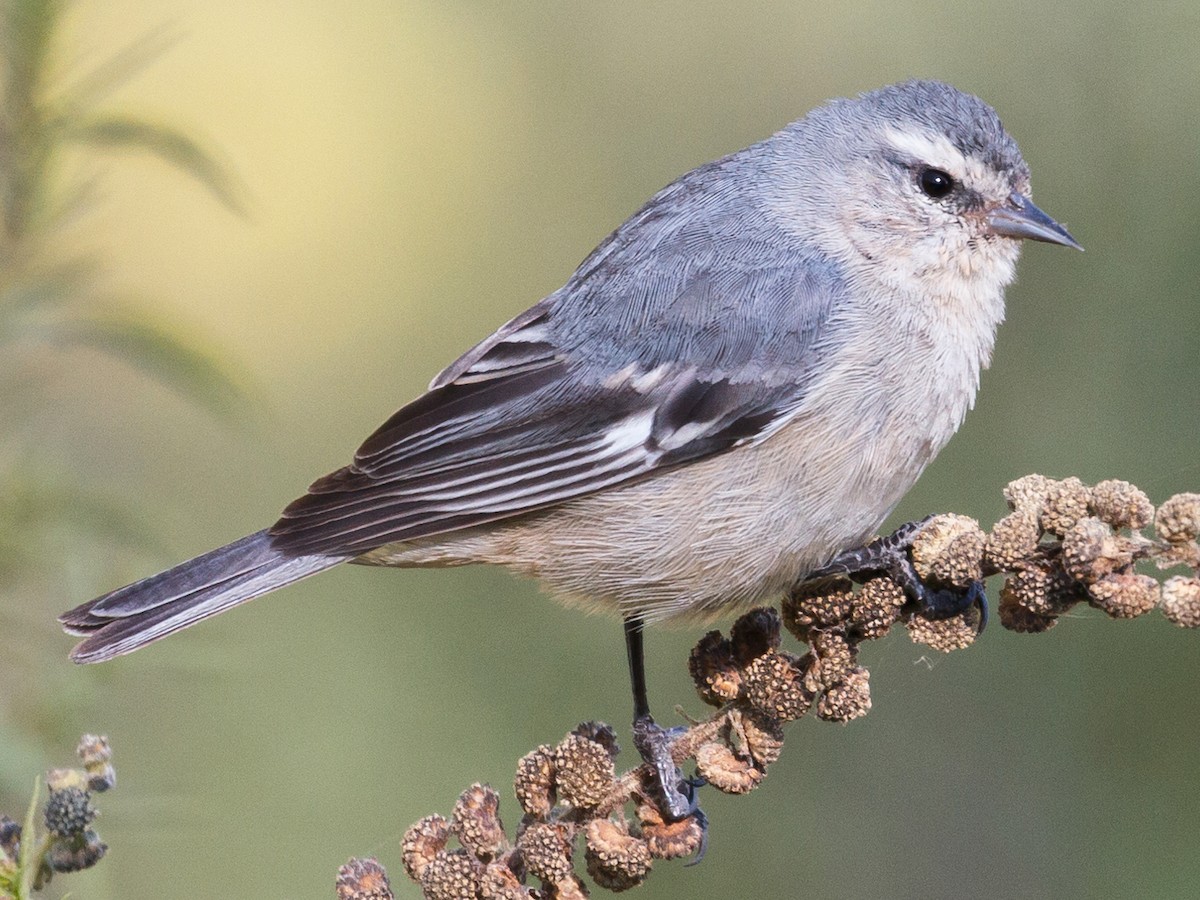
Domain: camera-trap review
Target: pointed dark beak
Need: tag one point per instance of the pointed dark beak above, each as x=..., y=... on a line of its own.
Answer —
x=1019, y=218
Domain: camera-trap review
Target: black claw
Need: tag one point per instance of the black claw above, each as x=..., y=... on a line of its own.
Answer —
x=702, y=821
x=979, y=598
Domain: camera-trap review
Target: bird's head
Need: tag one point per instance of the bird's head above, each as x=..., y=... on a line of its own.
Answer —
x=917, y=184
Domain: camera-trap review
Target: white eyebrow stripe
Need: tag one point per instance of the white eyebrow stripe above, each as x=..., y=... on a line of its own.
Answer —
x=937, y=151
x=934, y=150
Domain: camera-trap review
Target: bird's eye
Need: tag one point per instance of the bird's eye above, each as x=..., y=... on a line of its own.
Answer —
x=935, y=183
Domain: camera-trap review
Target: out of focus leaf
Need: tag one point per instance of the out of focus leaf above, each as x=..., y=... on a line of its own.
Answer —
x=150, y=346
x=25, y=38
x=117, y=132
x=48, y=286
x=120, y=68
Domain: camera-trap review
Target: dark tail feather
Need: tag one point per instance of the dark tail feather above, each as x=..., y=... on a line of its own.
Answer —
x=162, y=604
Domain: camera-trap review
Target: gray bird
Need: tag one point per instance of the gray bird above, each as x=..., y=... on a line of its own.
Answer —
x=736, y=386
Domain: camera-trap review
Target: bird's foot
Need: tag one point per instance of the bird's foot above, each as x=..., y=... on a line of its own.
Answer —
x=676, y=792
x=891, y=556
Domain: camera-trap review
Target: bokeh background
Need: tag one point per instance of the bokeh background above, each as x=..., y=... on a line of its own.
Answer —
x=412, y=175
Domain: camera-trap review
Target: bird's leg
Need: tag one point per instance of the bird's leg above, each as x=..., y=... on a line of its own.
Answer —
x=653, y=741
x=890, y=556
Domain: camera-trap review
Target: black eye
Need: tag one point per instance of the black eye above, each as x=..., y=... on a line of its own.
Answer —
x=935, y=183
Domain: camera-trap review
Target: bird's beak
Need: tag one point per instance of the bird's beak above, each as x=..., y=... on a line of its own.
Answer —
x=1019, y=218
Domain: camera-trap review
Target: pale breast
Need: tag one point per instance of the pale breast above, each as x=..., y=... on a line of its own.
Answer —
x=741, y=527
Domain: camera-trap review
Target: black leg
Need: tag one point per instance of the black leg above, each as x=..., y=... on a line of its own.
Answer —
x=635, y=649
x=653, y=741
x=890, y=556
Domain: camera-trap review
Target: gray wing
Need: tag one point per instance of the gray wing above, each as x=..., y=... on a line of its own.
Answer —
x=676, y=340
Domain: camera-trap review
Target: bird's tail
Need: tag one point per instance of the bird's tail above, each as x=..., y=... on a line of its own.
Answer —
x=154, y=607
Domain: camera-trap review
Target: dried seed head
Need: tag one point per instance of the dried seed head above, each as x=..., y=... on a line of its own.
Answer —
x=818, y=605
x=725, y=771
x=1091, y=551
x=669, y=840
x=452, y=875
x=848, y=700
x=499, y=882
x=546, y=849
x=713, y=669
x=1013, y=540
x=1121, y=505
x=1178, y=519
x=1022, y=619
x=774, y=684
x=1066, y=503
x=61, y=779
x=754, y=634
x=476, y=821
x=1181, y=601
x=1028, y=493
x=422, y=842
x=955, y=633
x=949, y=551
x=835, y=658
x=876, y=608
x=96, y=755
x=93, y=750
x=363, y=879
x=534, y=783
x=585, y=771
x=76, y=853
x=1125, y=596
x=761, y=735
x=1044, y=589
x=600, y=732
x=616, y=860
x=69, y=812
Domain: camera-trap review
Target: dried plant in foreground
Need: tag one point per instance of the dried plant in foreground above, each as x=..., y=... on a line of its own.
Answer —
x=1063, y=543
x=29, y=858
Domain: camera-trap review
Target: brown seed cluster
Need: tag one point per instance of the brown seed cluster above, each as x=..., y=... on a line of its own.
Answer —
x=1177, y=525
x=363, y=879
x=666, y=839
x=1065, y=543
x=616, y=859
x=584, y=771
x=948, y=553
x=450, y=874
x=1061, y=544
x=1181, y=601
x=570, y=794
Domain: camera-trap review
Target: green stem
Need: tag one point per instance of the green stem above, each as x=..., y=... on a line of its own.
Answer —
x=33, y=849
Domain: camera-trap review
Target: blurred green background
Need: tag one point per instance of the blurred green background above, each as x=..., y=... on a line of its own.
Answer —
x=416, y=173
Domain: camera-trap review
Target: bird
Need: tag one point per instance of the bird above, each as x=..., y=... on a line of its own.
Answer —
x=736, y=386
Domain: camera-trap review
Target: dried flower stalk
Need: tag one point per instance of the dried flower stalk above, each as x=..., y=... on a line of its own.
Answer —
x=1063, y=543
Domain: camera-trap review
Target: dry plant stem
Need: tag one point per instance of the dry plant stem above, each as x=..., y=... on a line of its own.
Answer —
x=1062, y=543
